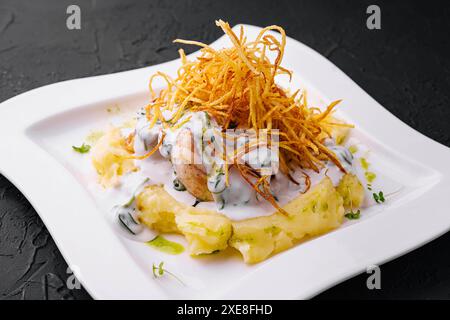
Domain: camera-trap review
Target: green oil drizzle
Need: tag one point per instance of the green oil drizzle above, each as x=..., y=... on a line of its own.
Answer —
x=370, y=176
x=162, y=244
x=364, y=163
x=353, y=149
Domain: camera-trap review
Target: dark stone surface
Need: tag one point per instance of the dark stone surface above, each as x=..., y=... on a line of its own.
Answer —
x=405, y=66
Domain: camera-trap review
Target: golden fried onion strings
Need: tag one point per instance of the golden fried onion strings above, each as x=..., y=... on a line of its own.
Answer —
x=236, y=86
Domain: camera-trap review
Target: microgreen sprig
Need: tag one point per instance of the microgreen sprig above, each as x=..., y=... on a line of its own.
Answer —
x=378, y=197
x=84, y=148
x=352, y=215
x=159, y=271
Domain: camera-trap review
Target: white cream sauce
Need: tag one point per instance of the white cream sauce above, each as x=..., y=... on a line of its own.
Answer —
x=238, y=201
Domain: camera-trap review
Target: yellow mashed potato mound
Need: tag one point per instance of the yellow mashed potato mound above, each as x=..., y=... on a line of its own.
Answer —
x=318, y=211
x=111, y=159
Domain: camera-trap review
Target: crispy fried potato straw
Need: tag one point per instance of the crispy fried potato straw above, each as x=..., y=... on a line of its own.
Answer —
x=236, y=86
x=148, y=154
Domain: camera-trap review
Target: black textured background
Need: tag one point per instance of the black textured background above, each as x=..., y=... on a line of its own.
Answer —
x=405, y=66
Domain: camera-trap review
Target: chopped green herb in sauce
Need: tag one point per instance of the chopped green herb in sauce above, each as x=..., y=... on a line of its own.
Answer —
x=84, y=148
x=127, y=221
x=177, y=185
x=162, y=244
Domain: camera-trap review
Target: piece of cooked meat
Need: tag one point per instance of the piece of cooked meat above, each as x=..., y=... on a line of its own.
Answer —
x=190, y=174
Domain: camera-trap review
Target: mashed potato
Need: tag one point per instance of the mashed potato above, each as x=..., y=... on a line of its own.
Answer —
x=318, y=211
x=111, y=159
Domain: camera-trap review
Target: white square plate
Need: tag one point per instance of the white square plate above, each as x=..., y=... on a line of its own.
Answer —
x=39, y=127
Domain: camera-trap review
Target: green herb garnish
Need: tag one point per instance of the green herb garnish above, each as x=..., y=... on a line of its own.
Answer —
x=128, y=222
x=353, y=215
x=379, y=198
x=218, y=179
x=84, y=148
x=159, y=271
